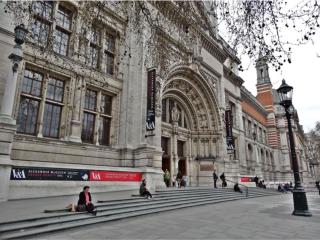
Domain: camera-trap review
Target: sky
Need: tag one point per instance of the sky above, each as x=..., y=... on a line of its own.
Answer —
x=303, y=74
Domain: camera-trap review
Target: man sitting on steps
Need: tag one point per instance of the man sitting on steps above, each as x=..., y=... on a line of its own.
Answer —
x=144, y=191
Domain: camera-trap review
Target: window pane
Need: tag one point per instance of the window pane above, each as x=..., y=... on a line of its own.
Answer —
x=110, y=63
x=164, y=110
x=93, y=57
x=64, y=17
x=43, y=9
x=60, y=43
x=95, y=36
x=180, y=119
x=40, y=32
x=110, y=43
x=104, y=131
x=51, y=120
x=106, y=104
x=88, y=123
x=90, y=101
x=55, y=89
x=32, y=82
x=27, y=116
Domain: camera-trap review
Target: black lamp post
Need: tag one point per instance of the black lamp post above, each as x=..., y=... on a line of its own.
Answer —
x=299, y=195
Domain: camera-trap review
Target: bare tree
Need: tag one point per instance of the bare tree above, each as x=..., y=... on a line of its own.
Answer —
x=250, y=27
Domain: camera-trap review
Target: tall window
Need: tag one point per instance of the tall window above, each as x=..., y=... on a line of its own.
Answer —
x=63, y=30
x=105, y=119
x=42, y=25
x=92, y=116
x=30, y=101
x=109, y=53
x=42, y=21
x=53, y=108
x=88, y=121
x=94, y=47
x=102, y=43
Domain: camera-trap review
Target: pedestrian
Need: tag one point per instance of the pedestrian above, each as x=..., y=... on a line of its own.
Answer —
x=236, y=188
x=215, y=179
x=256, y=180
x=318, y=186
x=144, y=192
x=223, y=179
x=179, y=179
x=167, y=177
x=85, y=202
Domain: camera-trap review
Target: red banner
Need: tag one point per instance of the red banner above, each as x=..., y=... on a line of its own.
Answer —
x=110, y=176
x=247, y=179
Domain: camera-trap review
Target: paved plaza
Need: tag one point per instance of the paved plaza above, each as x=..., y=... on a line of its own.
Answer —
x=258, y=218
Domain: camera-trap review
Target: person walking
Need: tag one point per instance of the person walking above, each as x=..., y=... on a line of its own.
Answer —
x=256, y=180
x=85, y=202
x=215, y=179
x=179, y=179
x=167, y=177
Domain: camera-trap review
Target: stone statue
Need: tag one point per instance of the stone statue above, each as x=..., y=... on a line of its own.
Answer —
x=175, y=113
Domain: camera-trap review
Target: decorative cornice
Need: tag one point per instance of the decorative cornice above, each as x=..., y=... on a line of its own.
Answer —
x=246, y=95
x=232, y=95
x=213, y=48
x=231, y=76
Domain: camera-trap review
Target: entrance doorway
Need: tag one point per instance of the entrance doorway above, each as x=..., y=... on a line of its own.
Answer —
x=165, y=155
x=182, y=159
x=182, y=166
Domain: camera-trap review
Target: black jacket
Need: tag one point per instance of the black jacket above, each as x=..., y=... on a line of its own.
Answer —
x=82, y=198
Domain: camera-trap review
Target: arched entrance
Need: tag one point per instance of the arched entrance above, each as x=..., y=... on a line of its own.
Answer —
x=190, y=123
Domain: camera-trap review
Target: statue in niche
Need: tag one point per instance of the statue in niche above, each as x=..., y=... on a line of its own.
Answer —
x=175, y=113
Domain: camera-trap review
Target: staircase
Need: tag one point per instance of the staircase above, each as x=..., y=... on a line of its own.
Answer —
x=111, y=210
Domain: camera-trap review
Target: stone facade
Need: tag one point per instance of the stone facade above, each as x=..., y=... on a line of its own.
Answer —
x=99, y=76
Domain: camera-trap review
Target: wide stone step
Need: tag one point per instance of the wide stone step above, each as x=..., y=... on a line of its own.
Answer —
x=5, y=227
x=105, y=218
x=114, y=210
x=114, y=203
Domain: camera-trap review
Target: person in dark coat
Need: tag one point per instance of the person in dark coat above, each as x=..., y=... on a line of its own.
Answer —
x=256, y=180
x=215, y=179
x=179, y=179
x=318, y=186
x=236, y=188
x=84, y=202
x=144, y=191
x=223, y=179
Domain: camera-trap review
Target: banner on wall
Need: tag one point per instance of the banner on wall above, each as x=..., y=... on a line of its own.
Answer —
x=60, y=174
x=151, y=100
x=229, y=135
x=111, y=176
x=56, y=174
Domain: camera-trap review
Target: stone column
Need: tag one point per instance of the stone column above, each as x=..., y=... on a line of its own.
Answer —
x=76, y=110
x=42, y=104
x=8, y=123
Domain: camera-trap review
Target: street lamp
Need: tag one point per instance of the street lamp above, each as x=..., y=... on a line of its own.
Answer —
x=299, y=195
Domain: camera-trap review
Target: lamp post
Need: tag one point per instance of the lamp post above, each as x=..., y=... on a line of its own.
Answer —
x=11, y=83
x=299, y=195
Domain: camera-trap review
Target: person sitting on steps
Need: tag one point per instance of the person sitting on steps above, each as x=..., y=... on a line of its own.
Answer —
x=85, y=202
x=144, y=191
x=236, y=188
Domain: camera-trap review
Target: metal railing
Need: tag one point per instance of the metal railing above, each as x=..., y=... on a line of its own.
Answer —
x=245, y=187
